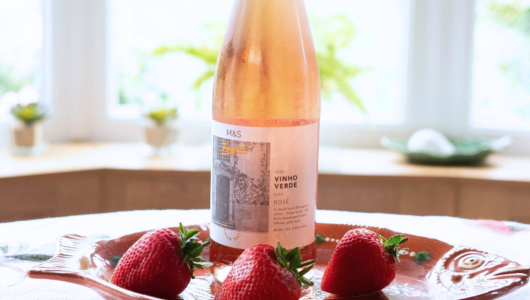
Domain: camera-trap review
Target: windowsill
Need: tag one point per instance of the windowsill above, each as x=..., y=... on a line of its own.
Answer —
x=72, y=157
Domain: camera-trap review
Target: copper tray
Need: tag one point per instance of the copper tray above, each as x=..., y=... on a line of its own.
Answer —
x=431, y=270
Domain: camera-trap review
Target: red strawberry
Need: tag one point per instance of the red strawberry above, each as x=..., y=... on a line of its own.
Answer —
x=264, y=273
x=363, y=263
x=160, y=263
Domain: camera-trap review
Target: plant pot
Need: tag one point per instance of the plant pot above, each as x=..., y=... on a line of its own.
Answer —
x=28, y=140
x=160, y=138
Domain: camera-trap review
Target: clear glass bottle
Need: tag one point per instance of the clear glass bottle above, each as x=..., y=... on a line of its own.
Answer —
x=266, y=114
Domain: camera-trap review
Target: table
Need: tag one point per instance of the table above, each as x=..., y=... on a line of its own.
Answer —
x=26, y=239
x=81, y=178
x=72, y=157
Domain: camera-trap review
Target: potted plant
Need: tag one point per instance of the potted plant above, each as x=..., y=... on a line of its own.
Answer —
x=28, y=134
x=161, y=135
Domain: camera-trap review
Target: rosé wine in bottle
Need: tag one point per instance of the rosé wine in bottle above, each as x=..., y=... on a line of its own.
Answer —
x=266, y=116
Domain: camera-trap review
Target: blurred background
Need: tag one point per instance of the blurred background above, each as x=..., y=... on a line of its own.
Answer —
x=93, y=76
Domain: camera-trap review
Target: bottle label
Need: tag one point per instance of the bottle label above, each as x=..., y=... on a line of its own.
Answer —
x=264, y=185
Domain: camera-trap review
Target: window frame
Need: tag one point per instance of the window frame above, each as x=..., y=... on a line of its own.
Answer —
x=78, y=74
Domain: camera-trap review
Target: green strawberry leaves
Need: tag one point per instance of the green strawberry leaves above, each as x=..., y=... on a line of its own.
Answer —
x=192, y=249
x=392, y=245
x=292, y=261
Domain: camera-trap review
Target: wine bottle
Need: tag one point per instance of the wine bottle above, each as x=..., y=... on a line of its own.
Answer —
x=266, y=117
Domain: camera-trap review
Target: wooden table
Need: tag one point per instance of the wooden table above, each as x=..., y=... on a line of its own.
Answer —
x=507, y=239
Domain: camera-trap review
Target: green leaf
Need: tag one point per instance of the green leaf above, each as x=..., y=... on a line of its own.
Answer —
x=382, y=239
x=29, y=114
x=304, y=271
x=320, y=239
x=305, y=281
x=307, y=263
x=422, y=256
x=191, y=249
x=333, y=37
x=197, y=251
x=191, y=233
x=279, y=255
x=292, y=261
x=162, y=115
x=392, y=245
x=291, y=254
x=296, y=261
x=397, y=240
x=202, y=79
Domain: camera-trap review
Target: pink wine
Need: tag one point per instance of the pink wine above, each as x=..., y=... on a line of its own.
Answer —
x=266, y=116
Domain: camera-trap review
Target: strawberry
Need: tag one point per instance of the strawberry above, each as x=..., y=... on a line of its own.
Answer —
x=363, y=263
x=264, y=273
x=160, y=263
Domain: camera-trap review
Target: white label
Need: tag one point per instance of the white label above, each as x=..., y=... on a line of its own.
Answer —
x=264, y=185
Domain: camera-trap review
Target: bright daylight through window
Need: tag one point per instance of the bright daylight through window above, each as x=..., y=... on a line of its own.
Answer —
x=165, y=51
x=501, y=84
x=20, y=53
x=375, y=61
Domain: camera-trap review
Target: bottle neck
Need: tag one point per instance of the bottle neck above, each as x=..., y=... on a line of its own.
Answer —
x=284, y=14
x=267, y=66
x=269, y=25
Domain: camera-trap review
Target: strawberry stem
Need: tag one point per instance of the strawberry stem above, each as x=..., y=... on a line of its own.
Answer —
x=392, y=245
x=292, y=261
x=191, y=249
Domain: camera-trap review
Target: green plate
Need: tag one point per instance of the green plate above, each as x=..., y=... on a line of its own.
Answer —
x=468, y=151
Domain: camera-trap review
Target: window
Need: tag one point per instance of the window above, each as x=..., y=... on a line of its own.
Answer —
x=21, y=32
x=350, y=34
x=461, y=67
x=501, y=70
x=165, y=51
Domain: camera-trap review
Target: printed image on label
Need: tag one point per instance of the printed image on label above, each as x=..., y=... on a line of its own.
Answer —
x=241, y=185
x=263, y=187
